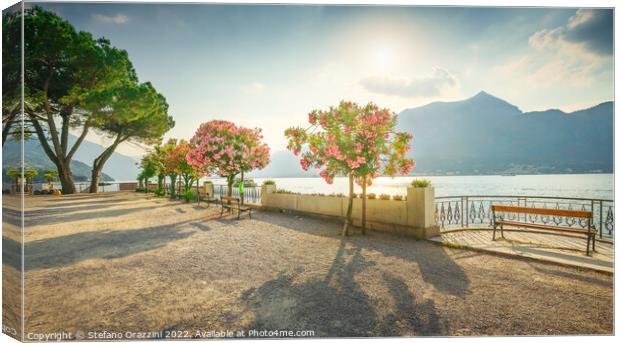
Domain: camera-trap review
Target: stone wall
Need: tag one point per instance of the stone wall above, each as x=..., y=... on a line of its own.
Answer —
x=413, y=217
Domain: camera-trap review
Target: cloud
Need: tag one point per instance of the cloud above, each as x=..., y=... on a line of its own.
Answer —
x=427, y=86
x=253, y=88
x=116, y=19
x=590, y=29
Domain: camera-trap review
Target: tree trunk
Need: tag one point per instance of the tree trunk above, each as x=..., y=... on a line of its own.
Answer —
x=95, y=175
x=173, y=183
x=98, y=164
x=347, y=221
x=66, y=180
x=231, y=180
x=6, y=129
x=364, y=205
x=160, y=183
x=241, y=189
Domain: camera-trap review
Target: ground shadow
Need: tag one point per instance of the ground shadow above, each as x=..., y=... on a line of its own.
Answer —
x=78, y=203
x=106, y=244
x=336, y=306
x=39, y=217
x=539, y=267
x=436, y=266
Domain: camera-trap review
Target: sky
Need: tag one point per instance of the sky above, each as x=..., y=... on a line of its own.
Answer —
x=267, y=66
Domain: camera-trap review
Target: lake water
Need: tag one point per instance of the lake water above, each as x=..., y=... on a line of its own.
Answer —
x=597, y=186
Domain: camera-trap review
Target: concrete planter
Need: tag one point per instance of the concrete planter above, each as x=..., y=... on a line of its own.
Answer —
x=208, y=188
x=413, y=217
x=421, y=204
x=281, y=201
x=329, y=206
x=265, y=191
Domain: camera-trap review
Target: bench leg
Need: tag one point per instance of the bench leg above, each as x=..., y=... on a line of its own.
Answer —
x=502, y=230
x=593, y=241
x=494, y=229
x=222, y=211
x=588, y=245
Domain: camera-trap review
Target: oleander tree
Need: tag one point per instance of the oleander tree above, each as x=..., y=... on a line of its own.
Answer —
x=359, y=142
x=148, y=169
x=171, y=163
x=187, y=171
x=176, y=165
x=223, y=148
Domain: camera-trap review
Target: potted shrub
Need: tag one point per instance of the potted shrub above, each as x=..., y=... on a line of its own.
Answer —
x=384, y=197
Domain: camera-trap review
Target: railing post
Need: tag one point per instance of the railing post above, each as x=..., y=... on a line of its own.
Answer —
x=462, y=211
x=467, y=216
x=600, y=213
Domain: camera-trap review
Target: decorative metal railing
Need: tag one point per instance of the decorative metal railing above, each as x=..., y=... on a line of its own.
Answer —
x=475, y=211
x=251, y=194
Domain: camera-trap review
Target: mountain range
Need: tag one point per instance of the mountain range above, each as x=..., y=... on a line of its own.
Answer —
x=479, y=135
x=487, y=135
x=118, y=167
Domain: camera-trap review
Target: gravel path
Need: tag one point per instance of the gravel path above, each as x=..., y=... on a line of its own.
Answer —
x=130, y=262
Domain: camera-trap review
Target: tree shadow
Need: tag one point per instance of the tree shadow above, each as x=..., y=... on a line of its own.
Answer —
x=336, y=306
x=105, y=244
x=436, y=266
x=542, y=268
x=421, y=317
x=77, y=203
x=40, y=217
x=200, y=226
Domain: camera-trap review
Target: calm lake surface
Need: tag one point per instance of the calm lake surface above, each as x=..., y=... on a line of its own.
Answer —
x=597, y=186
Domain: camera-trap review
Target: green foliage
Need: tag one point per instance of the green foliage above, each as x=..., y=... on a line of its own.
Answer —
x=50, y=175
x=160, y=192
x=399, y=197
x=284, y=191
x=15, y=173
x=189, y=195
x=372, y=196
x=385, y=197
x=269, y=182
x=421, y=183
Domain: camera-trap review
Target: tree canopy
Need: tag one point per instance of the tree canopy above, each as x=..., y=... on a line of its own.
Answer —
x=352, y=140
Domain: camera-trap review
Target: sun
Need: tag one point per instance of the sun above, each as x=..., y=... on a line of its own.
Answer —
x=382, y=58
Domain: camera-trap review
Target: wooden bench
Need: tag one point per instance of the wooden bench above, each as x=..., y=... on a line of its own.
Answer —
x=232, y=203
x=206, y=196
x=589, y=230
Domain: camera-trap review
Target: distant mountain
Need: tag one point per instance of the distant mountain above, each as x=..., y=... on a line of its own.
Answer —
x=487, y=135
x=118, y=167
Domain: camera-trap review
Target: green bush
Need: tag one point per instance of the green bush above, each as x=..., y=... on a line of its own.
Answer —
x=189, y=195
x=372, y=196
x=398, y=197
x=160, y=192
x=284, y=191
x=421, y=183
x=385, y=197
x=269, y=182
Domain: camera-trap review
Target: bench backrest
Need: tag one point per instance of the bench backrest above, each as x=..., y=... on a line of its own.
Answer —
x=227, y=198
x=542, y=211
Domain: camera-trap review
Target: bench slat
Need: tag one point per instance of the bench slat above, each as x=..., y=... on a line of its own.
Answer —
x=546, y=227
x=543, y=211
